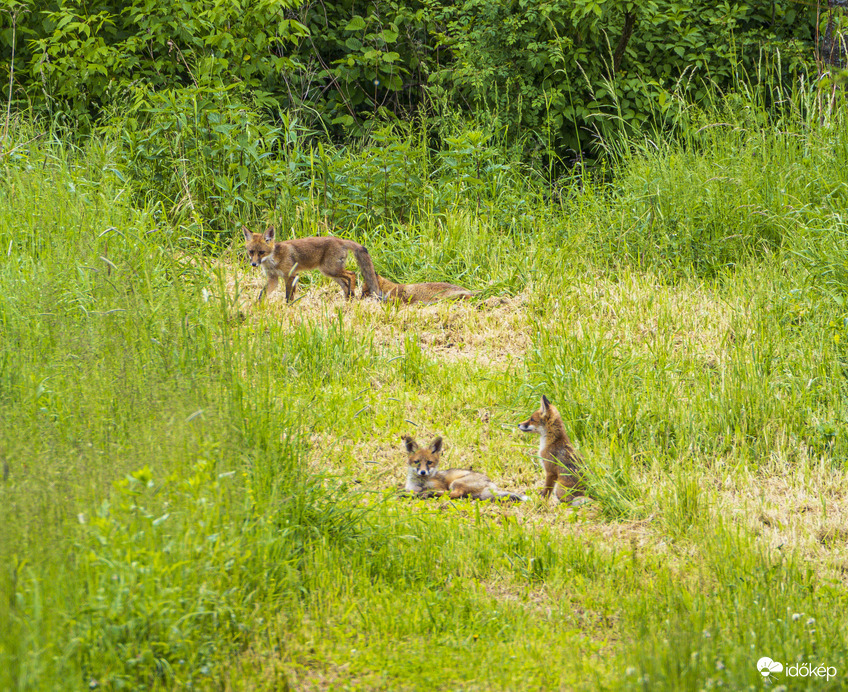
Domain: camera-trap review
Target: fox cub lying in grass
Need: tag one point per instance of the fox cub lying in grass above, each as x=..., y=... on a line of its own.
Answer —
x=327, y=254
x=428, y=292
x=424, y=479
x=559, y=458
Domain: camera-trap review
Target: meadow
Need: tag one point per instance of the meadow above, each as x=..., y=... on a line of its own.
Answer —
x=201, y=492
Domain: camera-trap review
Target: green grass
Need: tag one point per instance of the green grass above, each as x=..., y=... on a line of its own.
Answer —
x=200, y=492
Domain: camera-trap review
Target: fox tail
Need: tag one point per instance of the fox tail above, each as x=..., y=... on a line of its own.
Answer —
x=511, y=496
x=366, y=267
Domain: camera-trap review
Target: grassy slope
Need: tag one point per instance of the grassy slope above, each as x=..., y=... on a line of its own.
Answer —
x=202, y=492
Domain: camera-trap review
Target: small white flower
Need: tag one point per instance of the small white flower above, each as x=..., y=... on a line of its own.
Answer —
x=796, y=617
x=810, y=621
x=630, y=671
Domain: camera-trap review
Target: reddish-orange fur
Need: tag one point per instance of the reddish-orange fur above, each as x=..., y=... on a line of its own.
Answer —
x=559, y=458
x=285, y=259
x=428, y=292
x=424, y=478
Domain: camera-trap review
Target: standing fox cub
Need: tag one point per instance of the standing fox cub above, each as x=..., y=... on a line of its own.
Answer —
x=425, y=480
x=559, y=458
x=420, y=293
x=327, y=254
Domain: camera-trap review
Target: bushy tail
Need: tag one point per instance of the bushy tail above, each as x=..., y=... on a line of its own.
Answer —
x=512, y=497
x=366, y=267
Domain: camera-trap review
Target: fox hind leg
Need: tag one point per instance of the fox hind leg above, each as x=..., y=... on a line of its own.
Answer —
x=458, y=490
x=567, y=488
x=347, y=282
x=291, y=287
x=336, y=271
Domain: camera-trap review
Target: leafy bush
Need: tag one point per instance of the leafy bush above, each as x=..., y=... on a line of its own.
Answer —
x=554, y=75
x=563, y=71
x=80, y=63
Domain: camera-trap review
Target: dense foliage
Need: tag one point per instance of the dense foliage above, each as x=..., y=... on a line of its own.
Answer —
x=553, y=73
x=555, y=69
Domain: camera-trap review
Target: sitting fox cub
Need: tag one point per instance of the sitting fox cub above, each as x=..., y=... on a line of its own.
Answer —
x=327, y=254
x=425, y=480
x=419, y=293
x=559, y=458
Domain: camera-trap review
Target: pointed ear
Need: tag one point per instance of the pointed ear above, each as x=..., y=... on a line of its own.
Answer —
x=410, y=445
x=247, y=234
x=269, y=234
x=436, y=445
x=545, y=404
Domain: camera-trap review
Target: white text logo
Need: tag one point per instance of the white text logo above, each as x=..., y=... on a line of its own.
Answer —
x=767, y=666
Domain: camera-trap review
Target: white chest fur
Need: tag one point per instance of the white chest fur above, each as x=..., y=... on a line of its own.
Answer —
x=414, y=482
x=269, y=264
x=542, y=443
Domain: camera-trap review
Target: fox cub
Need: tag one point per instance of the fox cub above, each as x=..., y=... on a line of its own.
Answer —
x=425, y=480
x=420, y=293
x=559, y=458
x=285, y=259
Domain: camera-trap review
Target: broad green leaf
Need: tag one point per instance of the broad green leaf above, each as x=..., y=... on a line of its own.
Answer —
x=355, y=24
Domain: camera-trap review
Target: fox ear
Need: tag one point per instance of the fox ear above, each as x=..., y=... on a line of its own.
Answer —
x=436, y=445
x=247, y=234
x=410, y=445
x=269, y=234
x=545, y=403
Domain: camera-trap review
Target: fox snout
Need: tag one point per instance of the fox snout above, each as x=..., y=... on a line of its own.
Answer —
x=422, y=472
x=526, y=427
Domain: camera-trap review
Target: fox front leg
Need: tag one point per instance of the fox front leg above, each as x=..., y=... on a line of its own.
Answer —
x=269, y=288
x=550, y=482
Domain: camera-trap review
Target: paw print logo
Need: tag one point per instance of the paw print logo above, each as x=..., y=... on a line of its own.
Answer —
x=766, y=666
